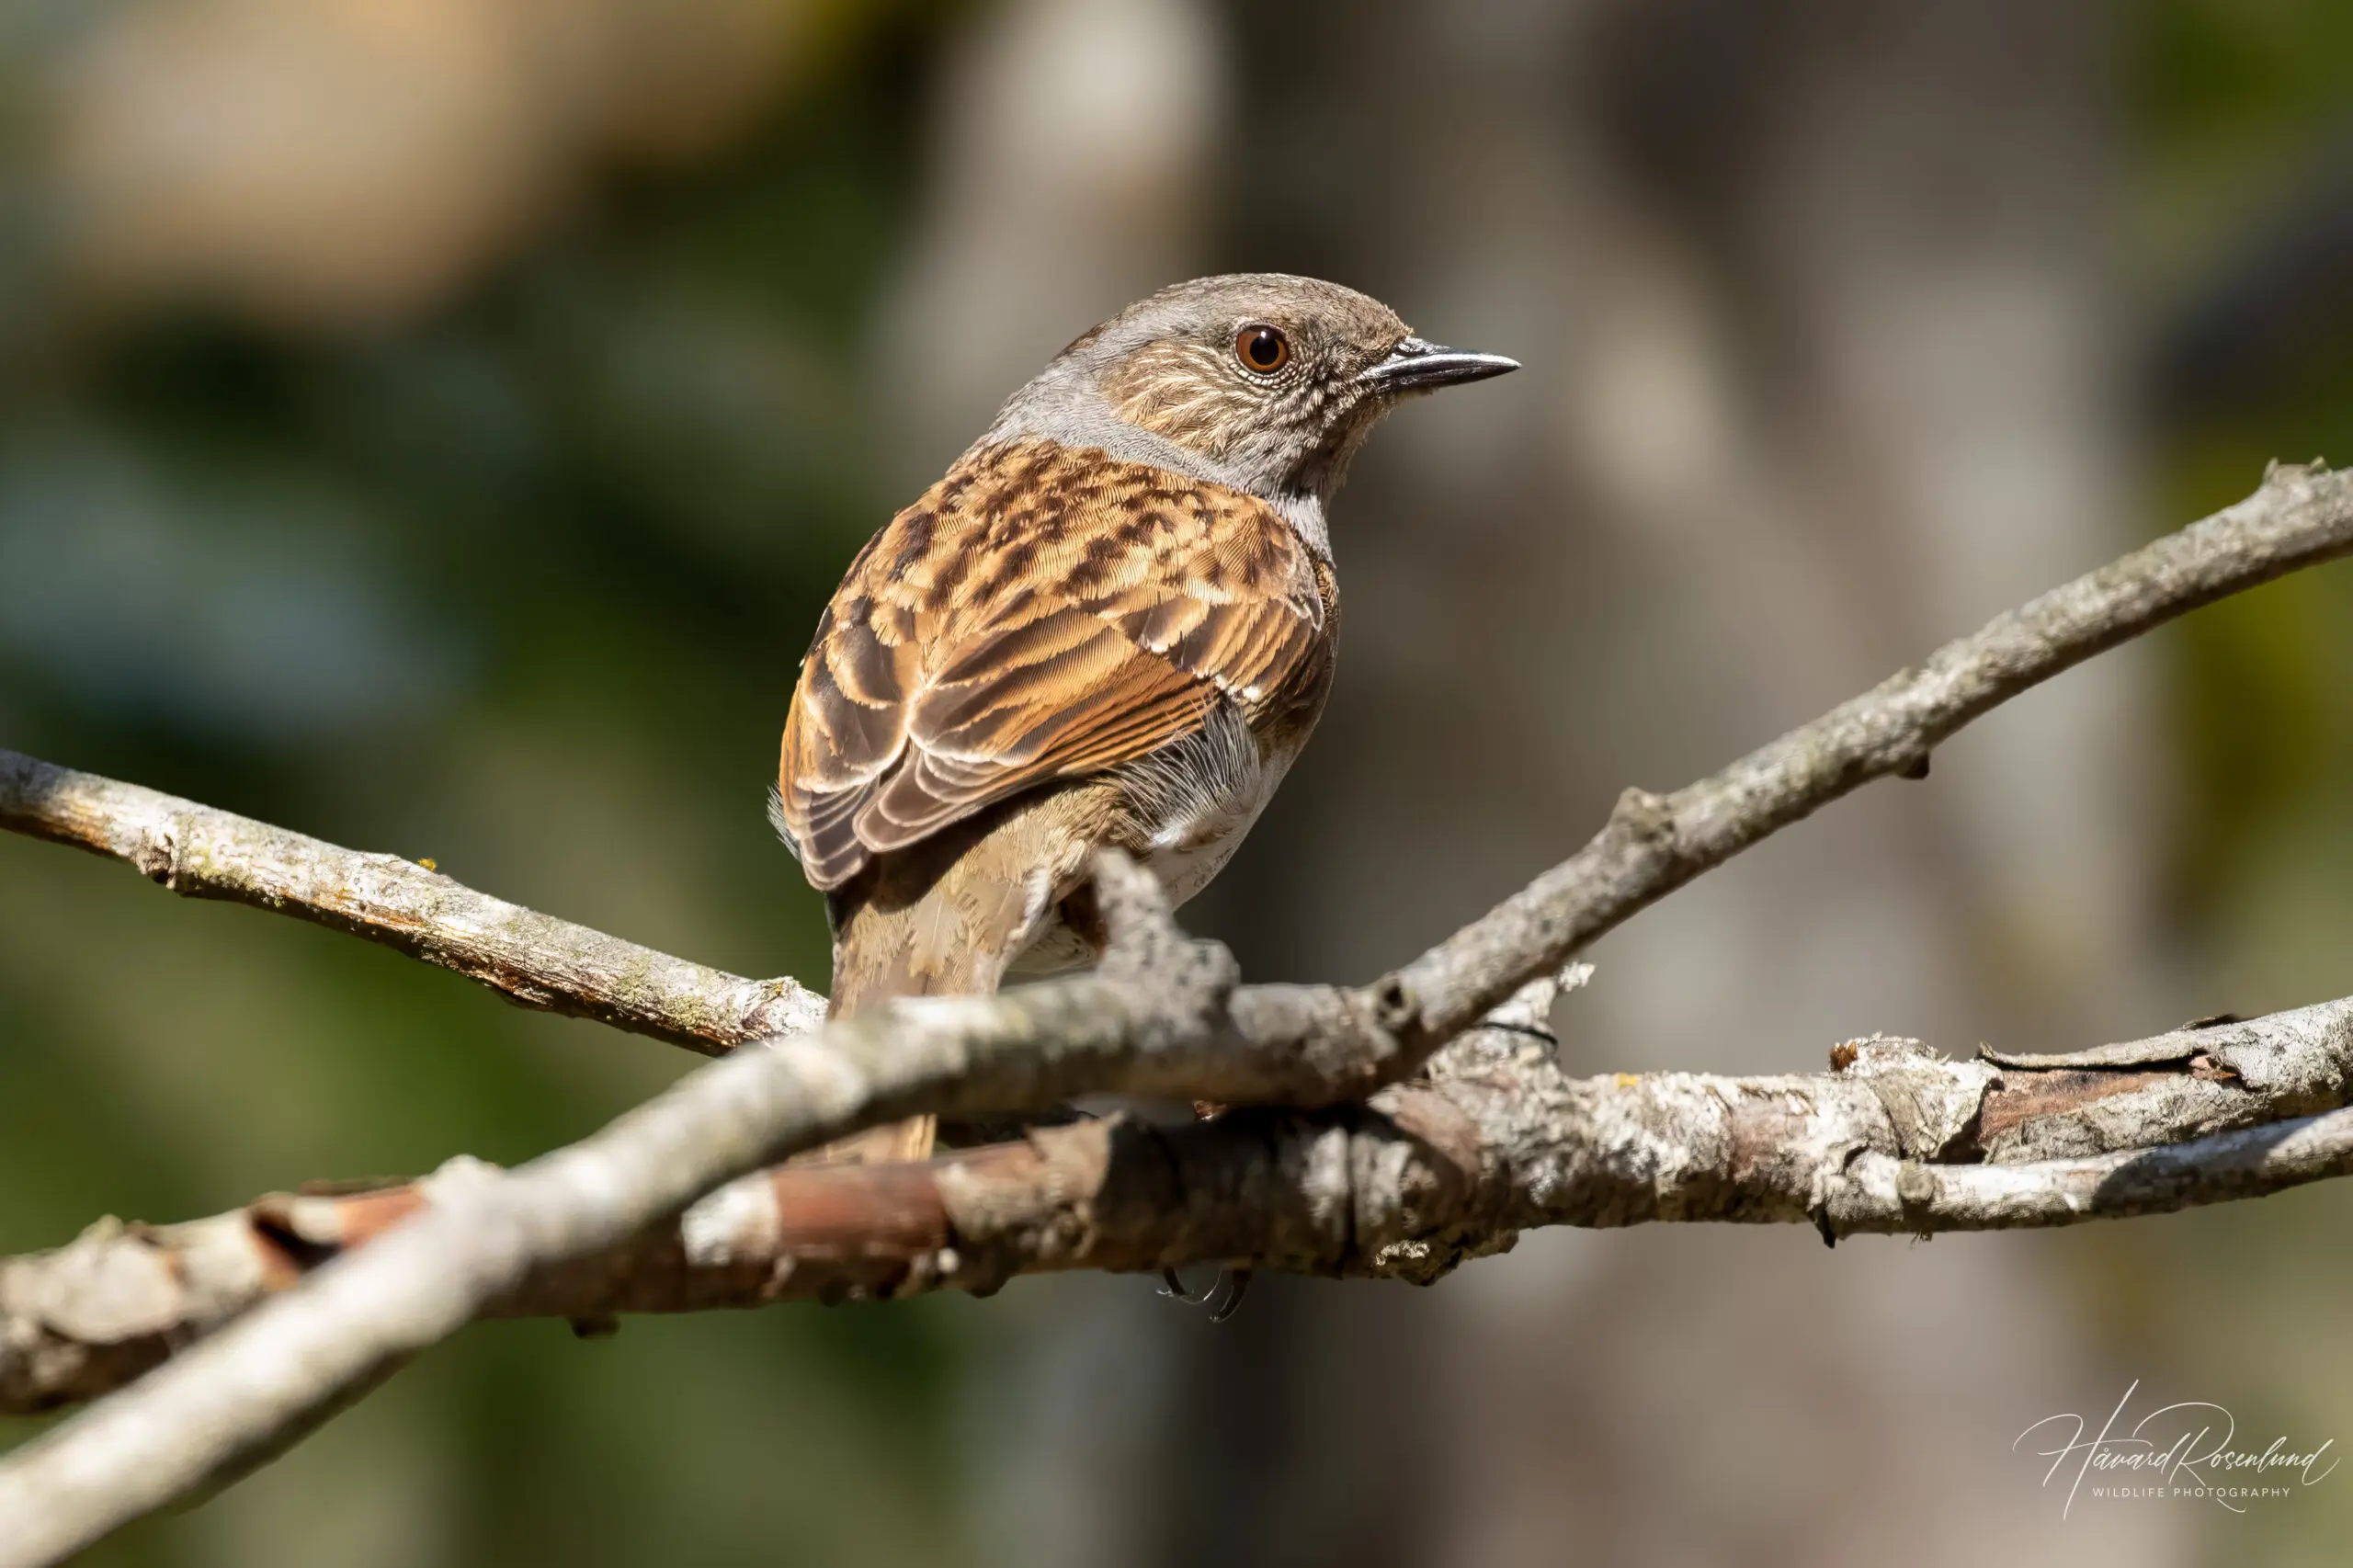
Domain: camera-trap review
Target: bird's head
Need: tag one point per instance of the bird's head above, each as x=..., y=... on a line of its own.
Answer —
x=1269, y=381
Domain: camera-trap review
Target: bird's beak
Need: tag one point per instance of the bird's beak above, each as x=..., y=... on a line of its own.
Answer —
x=1416, y=366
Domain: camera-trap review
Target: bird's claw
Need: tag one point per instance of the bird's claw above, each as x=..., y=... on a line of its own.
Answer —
x=1233, y=1281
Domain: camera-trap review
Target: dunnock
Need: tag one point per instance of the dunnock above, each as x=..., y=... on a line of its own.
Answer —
x=1110, y=625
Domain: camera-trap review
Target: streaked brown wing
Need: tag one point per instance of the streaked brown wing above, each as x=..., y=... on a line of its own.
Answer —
x=1037, y=616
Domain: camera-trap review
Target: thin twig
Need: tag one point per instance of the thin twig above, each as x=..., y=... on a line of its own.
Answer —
x=533, y=960
x=2300, y=516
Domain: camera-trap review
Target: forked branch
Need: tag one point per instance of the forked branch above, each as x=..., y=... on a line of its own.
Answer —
x=1163, y=1018
x=1492, y=1140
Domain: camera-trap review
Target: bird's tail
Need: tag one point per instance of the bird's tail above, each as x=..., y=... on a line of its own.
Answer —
x=919, y=925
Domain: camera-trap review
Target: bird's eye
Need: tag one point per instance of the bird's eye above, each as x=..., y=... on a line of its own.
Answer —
x=1262, y=348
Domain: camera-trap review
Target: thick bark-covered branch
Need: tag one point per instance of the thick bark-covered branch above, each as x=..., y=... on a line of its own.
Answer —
x=1172, y=1024
x=1491, y=1141
x=1145, y=1022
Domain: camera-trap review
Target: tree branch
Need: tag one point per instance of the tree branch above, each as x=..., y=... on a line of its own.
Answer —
x=1493, y=1140
x=1168, y=1025
x=2300, y=516
x=533, y=960
x=1145, y=1022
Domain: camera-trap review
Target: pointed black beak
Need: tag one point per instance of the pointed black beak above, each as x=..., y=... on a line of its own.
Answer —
x=1416, y=366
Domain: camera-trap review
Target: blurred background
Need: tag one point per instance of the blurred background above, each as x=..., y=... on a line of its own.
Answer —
x=434, y=425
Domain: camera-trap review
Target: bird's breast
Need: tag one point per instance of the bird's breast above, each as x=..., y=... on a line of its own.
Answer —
x=1189, y=804
x=1182, y=811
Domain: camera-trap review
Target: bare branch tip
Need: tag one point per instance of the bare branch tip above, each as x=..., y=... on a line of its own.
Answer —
x=1143, y=939
x=1138, y=922
x=1643, y=815
x=460, y=1176
x=2277, y=474
x=1531, y=1004
x=1881, y=1052
x=1131, y=896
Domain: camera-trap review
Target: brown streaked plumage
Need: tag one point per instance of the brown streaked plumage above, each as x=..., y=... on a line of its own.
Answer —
x=1041, y=614
x=1110, y=624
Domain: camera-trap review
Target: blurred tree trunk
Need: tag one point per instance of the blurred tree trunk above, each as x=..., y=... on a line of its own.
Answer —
x=1822, y=368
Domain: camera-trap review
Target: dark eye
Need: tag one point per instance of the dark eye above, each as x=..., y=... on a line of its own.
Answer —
x=1262, y=348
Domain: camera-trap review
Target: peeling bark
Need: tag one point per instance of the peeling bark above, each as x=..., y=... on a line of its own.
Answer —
x=1492, y=1138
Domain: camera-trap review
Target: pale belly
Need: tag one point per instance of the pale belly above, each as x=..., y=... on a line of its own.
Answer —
x=1189, y=809
x=1186, y=855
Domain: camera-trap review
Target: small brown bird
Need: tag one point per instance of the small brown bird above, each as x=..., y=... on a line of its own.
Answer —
x=1110, y=625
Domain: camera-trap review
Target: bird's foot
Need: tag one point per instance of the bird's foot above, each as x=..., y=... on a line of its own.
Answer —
x=1223, y=1299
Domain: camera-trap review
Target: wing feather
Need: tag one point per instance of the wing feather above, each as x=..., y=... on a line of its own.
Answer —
x=1039, y=615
